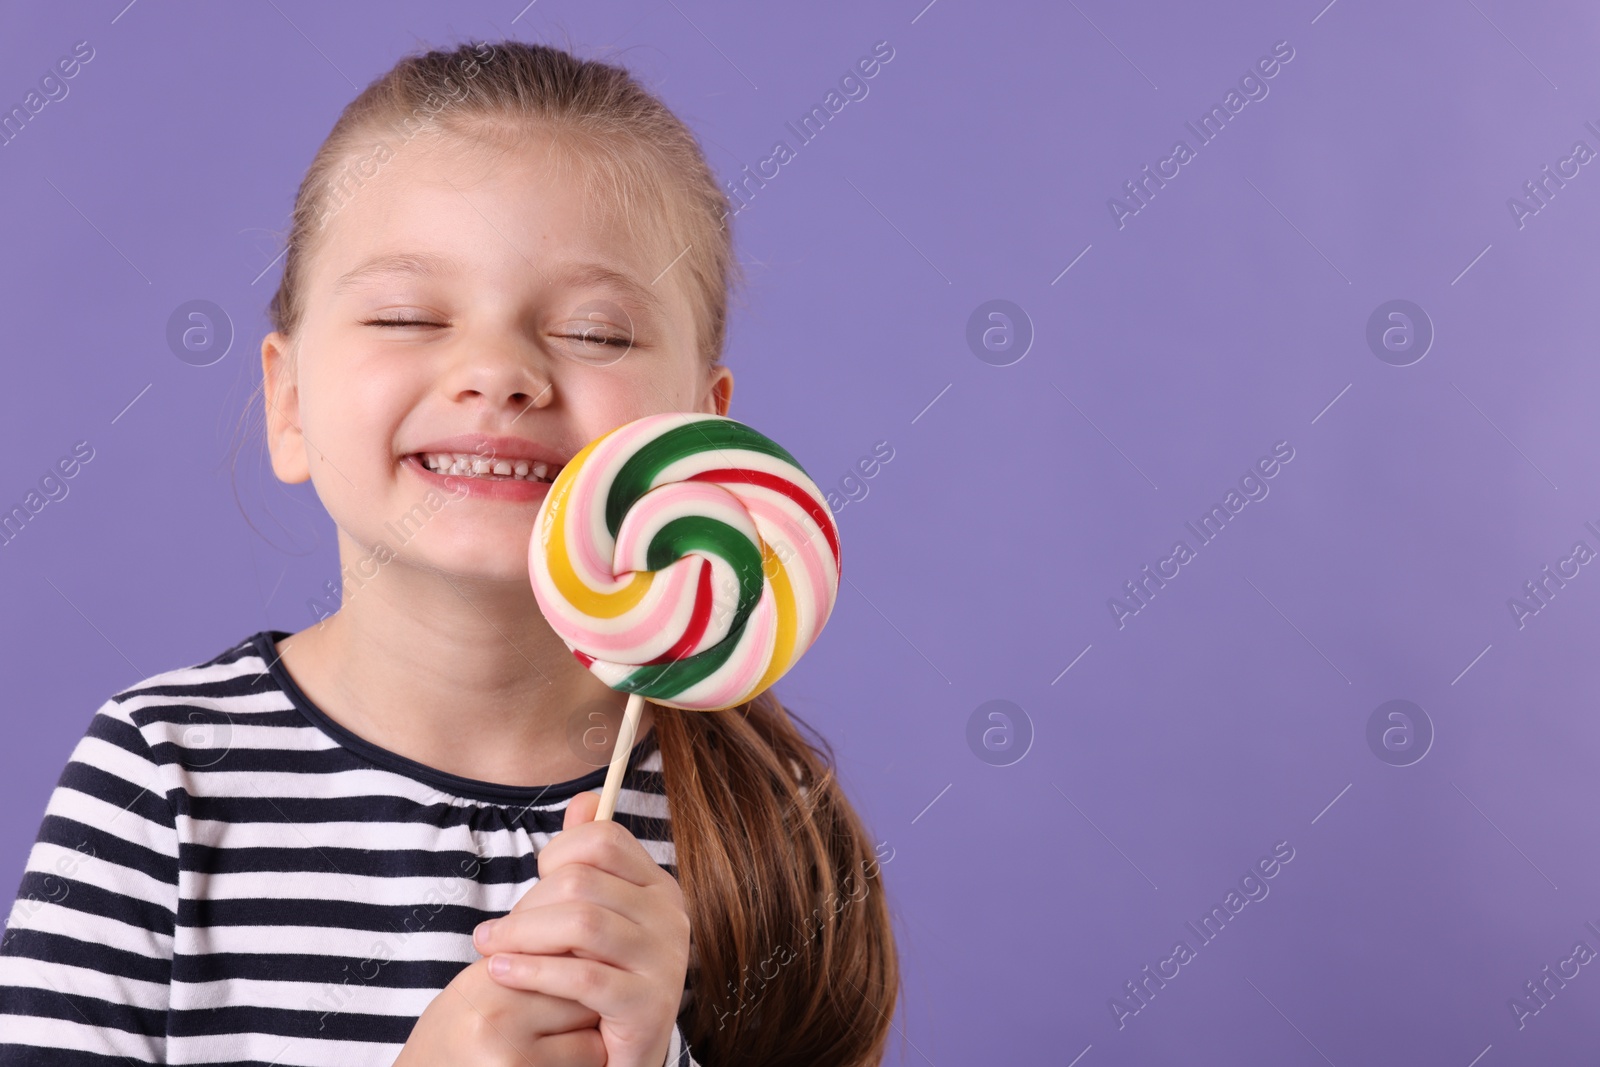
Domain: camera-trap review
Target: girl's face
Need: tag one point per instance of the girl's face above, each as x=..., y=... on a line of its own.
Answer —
x=468, y=304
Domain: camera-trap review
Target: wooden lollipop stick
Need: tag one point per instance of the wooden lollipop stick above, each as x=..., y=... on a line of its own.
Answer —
x=619, y=757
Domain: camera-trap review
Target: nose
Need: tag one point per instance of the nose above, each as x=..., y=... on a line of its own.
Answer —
x=500, y=374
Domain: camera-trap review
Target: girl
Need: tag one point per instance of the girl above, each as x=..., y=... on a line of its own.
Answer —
x=290, y=854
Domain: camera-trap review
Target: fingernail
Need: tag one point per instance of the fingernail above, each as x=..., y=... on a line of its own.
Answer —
x=481, y=933
x=499, y=966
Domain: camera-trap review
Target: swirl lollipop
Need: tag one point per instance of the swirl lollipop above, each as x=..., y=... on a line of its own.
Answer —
x=687, y=559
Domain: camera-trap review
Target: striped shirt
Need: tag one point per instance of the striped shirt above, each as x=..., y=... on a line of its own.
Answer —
x=226, y=875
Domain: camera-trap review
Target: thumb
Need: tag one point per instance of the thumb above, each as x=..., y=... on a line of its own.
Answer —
x=581, y=809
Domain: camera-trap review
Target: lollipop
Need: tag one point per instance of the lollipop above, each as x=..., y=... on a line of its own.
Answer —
x=685, y=559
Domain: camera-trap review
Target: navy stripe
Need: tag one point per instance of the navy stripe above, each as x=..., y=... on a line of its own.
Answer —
x=95, y=900
x=58, y=948
x=50, y=1004
x=338, y=914
x=137, y=798
x=100, y=843
x=18, y=1056
x=177, y=787
x=386, y=966
x=356, y=808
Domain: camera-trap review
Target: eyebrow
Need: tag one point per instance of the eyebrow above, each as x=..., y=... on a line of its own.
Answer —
x=431, y=265
x=395, y=265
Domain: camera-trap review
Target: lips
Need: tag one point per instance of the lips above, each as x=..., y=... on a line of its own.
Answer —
x=479, y=486
x=470, y=465
x=488, y=447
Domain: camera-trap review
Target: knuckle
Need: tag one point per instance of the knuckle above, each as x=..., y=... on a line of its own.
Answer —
x=614, y=843
x=585, y=921
x=573, y=882
x=675, y=905
x=485, y=1017
x=588, y=979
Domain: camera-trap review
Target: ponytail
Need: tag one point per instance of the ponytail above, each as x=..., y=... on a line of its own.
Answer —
x=792, y=948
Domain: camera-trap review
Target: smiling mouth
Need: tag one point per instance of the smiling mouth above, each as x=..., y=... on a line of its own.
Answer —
x=472, y=465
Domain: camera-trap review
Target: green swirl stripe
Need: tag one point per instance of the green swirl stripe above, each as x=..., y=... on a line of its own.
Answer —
x=680, y=442
x=710, y=537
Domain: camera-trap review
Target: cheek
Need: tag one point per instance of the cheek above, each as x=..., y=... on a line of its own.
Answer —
x=351, y=407
x=351, y=414
x=603, y=400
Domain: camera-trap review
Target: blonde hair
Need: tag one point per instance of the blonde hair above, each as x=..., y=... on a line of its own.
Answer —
x=631, y=153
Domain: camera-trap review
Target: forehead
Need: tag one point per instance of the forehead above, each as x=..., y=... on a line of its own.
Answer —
x=446, y=205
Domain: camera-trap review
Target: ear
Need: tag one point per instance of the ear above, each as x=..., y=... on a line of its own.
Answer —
x=720, y=392
x=282, y=398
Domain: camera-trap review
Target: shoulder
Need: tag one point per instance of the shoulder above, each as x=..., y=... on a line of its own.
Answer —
x=177, y=715
x=222, y=673
x=137, y=753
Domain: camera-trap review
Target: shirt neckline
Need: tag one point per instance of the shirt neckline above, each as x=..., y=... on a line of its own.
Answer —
x=264, y=643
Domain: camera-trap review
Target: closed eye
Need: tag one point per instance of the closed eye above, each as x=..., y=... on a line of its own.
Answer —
x=619, y=342
x=399, y=322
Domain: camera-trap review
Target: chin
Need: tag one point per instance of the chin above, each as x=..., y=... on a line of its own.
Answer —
x=508, y=567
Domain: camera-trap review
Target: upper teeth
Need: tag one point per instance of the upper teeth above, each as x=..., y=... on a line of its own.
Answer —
x=473, y=465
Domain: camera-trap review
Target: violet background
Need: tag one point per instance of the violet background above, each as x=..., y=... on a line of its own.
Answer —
x=1221, y=319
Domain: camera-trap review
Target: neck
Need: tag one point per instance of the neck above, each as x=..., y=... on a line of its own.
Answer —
x=462, y=675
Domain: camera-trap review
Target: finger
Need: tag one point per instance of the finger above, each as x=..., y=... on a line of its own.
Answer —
x=552, y=1015
x=582, y=928
x=611, y=991
x=607, y=845
x=581, y=808
x=581, y=882
x=576, y=1048
x=537, y=1014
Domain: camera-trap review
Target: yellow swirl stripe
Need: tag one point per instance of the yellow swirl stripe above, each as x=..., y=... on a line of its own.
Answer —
x=783, y=596
x=591, y=602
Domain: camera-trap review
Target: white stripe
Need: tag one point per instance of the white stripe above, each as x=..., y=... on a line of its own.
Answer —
x=116, y=760
x=395, y=836
x=78, y=1036
x=383, y=891
x=387, y=836
x=638, y=802
x=81, y=982
x=212, y=727
x=352, y=993
x=125, y=823
x=418, y=899
x=51, y=917
x=283, y=1051
x=245, y=667
x=242, y=704
x=92, y=870
x=416, y=943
